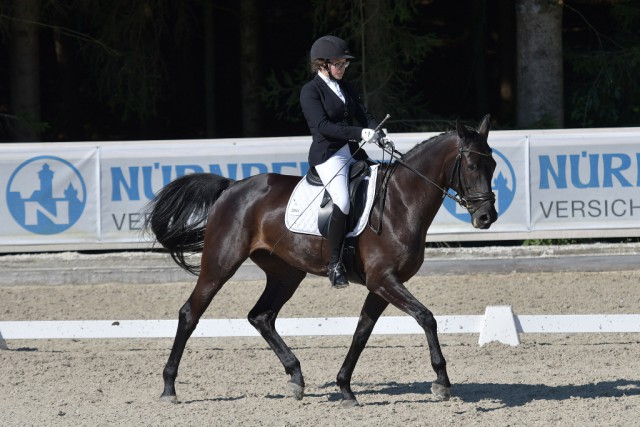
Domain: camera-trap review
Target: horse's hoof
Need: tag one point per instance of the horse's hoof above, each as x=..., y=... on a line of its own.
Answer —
x=169, y=399
x=296, y=389
x=349, y=403
x=440, y=392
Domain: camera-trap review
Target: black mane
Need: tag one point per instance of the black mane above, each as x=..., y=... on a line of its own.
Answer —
x=433, y=139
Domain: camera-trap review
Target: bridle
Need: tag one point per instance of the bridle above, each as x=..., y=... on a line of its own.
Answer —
x=462, y=197
x=465, y=198
x=472, y=201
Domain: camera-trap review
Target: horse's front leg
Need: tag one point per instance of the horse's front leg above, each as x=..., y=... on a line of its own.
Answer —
x=372, y=309
x=397, y=294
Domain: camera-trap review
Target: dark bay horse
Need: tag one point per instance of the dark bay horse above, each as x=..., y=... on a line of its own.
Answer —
x=245, y=219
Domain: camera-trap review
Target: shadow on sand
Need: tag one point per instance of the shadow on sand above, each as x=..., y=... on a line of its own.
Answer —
x=510, y=395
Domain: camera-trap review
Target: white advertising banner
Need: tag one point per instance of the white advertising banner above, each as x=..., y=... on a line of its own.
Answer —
x=132, y=174
x=585, y=181
x=564, y=184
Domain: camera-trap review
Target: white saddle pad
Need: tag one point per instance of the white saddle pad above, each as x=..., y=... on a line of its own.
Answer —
x=304, y=204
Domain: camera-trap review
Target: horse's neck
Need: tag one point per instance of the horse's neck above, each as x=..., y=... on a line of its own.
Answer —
x=421, y=196
x=433, y=159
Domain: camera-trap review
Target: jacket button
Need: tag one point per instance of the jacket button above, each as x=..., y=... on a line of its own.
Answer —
x=346, y=114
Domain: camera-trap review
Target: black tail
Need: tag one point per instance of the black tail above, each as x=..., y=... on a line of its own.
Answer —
x=177, y=215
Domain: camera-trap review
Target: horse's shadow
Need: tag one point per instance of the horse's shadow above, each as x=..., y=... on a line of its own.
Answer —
x=510, y=395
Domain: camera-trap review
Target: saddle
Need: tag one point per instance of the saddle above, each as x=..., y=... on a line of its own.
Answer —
x=358, y=188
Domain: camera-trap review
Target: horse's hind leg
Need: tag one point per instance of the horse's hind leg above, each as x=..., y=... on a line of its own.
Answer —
x=398, y=295
x=372, y=309
x=282, y=282
x=188, y=319
x=209, y=282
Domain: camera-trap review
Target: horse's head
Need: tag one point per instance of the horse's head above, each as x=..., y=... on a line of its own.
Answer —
x=474, y=169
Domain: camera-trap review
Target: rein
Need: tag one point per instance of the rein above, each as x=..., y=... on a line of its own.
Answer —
x=464, y=199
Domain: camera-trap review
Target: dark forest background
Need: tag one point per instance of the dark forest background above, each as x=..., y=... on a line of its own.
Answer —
x=79, y=70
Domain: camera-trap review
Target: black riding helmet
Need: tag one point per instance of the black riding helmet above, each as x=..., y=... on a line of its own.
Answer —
x=330, y=47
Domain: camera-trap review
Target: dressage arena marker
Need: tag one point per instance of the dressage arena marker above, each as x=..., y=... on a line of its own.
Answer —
x=3, y=343
x=497, y=324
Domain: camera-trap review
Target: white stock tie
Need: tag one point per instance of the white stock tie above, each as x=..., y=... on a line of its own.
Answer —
x=336, y=88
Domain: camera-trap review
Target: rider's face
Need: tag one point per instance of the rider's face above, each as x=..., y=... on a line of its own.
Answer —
x=337, y=67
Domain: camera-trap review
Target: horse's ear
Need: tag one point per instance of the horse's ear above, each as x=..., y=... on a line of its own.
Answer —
x=485, y=125
x=462, y=131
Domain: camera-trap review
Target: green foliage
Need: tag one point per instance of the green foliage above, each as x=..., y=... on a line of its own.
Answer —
x=34, y=125
x=120, y=43
x=549, y=242
x=604, y=88
x=627, y=15
x=4, y=19
x=281, y=93
x=130, y=74
x=388, y=52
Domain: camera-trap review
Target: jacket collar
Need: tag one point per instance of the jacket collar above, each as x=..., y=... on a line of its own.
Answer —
x=323, y=85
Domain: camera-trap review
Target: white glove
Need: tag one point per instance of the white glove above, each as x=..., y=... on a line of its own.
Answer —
x=369, y=135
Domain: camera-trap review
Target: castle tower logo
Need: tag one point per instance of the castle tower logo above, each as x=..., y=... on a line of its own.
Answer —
x=46, y=195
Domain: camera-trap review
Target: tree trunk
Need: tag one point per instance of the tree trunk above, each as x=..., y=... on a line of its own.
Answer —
x=250, y=69
x=209, y=70
x=507, y=48
x=25, y=69
x=539, y=64
x=375, y=75
x=478, y=50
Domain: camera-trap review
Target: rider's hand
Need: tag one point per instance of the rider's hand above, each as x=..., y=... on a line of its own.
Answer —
x=385, y=142
x=369, y=135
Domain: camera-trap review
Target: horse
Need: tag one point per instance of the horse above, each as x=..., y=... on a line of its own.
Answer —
x=230, y=221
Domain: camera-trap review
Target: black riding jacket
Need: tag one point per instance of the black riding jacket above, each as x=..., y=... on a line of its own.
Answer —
x=333, y=123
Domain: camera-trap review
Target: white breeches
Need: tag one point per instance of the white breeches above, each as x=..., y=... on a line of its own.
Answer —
x=334, y=173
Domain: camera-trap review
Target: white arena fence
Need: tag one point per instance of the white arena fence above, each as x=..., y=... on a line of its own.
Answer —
x=497, y=324
x=572, y=183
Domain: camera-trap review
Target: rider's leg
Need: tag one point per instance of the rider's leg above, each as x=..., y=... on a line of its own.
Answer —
x=337, y=229
x=334, y=173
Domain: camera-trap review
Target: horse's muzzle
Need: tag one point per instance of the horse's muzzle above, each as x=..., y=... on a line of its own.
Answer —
x=484, y=217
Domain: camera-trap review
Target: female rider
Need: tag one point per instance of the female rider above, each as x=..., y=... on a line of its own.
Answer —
x=337, y=121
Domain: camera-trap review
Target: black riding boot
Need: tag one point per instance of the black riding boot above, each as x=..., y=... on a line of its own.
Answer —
x=337, y=230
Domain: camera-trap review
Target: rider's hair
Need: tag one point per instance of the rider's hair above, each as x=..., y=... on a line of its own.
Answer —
x=318, y=64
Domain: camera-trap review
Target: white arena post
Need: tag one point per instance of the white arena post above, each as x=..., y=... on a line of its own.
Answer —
x=499, y=325
x=3, y=343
